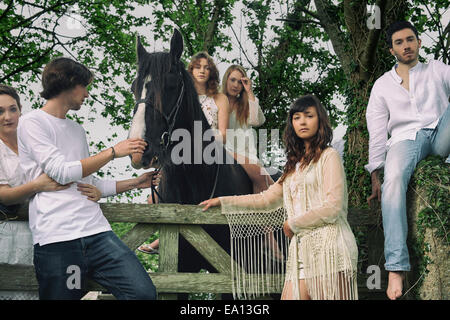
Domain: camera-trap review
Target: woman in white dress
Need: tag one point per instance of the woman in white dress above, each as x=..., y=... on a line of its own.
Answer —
x=245, y=113
x=16, y=244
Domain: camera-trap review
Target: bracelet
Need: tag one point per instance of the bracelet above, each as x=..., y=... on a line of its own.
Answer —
x=113, y=153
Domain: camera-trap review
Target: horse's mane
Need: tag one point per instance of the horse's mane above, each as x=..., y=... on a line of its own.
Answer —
x=157, y=64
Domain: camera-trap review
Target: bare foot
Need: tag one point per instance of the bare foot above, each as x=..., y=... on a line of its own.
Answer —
x=395, y=284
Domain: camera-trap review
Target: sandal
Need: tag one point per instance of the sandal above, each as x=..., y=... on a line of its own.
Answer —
x=146, y=248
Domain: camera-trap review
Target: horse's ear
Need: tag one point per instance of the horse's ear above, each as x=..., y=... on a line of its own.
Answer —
x=140, y=48
x=176, y=45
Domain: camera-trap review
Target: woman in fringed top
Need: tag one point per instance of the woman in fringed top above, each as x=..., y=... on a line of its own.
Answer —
x=312, y=190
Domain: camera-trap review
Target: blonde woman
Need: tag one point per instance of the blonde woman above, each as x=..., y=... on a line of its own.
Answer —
x=245, y=113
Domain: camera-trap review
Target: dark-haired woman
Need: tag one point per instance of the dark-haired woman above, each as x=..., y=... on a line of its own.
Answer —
x=322, y=252
x=16, y=245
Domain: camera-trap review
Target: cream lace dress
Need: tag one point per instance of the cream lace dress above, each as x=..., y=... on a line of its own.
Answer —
x=16, y=244
x=323, y=250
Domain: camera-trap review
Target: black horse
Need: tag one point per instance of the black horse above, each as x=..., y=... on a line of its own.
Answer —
x=167, y=105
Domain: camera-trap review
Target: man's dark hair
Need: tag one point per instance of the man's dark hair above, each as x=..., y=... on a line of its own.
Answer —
x=397, y=26
x=10, y=91
x=63, y=74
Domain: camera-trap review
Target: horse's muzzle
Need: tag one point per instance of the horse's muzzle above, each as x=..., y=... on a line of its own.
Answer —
x=136, y=162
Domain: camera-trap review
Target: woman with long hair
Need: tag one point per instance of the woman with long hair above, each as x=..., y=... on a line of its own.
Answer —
x=245, y=113
x=214, y=104
x=312, y=190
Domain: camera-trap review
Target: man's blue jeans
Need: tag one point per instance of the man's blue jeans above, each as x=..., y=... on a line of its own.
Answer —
x=62, y=268
x=401, y=160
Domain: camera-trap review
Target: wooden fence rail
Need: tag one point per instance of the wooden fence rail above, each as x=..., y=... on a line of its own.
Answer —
x=171, y=220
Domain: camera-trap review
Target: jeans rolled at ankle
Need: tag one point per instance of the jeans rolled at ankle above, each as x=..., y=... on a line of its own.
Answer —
x=401, y=161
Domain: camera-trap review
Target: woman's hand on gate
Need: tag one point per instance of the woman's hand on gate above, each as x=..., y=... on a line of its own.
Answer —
x=214, y=202
x=287, y=230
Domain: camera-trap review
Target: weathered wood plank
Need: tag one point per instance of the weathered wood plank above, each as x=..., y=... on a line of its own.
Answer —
x=192, y=214
x=168, y=248
x=23, y=278
x=18, y=277
x=161, y=213
x=139, y=234
x=207, y=247
x=168, y=242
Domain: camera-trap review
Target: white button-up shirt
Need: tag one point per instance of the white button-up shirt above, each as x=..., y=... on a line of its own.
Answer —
x=401, y=113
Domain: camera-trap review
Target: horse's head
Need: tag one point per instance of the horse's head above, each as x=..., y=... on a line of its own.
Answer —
x=159, y=89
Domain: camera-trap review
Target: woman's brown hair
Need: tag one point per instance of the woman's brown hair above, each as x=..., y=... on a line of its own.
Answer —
x=212, y=86
x=10, y=91
x=295, y=147
x=243, y=110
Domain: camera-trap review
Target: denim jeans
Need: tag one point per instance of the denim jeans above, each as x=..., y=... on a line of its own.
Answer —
x=401, y=160
x=62, y=269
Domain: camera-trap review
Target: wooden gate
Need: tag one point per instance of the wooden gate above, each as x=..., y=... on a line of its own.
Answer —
x=171, y=220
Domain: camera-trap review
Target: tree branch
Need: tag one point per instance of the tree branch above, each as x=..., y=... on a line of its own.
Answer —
x=301, y=21
x=369, y=50
x=5, y=12
x=332, y=28
x=37, y=15
x=212, y=25
x=24, y=67
x=242, y=49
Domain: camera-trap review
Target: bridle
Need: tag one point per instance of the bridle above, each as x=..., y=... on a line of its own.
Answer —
x=165, y=141
x=170, y=120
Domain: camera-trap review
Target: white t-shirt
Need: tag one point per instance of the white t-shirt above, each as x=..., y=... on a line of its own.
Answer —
x=55, y=146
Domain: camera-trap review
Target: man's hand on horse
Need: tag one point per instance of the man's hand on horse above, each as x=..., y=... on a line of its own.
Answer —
x=214, y=202
x=129, y=146
x=148, y=179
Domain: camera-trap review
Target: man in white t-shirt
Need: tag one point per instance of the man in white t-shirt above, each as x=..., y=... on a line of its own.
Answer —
x=72, y=239
x=410, y=104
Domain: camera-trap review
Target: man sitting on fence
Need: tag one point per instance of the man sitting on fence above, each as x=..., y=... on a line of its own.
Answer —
x=410, y=103
x=72, y=238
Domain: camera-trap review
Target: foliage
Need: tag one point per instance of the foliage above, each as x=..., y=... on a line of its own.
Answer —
x=201, y=23
x=34, y=32
x=432, y=180
x=149, y=261
x=291, y=62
